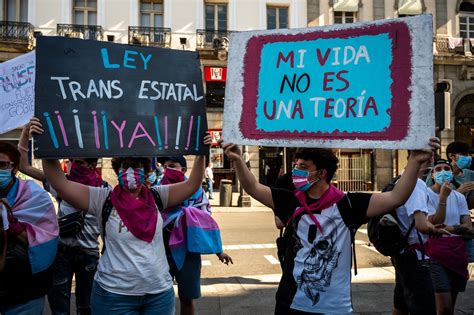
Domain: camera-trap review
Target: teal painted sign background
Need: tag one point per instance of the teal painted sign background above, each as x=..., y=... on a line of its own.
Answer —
x=326, y=85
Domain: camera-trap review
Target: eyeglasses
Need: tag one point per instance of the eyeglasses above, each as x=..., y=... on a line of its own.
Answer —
x=6, y=165
x=442, y=168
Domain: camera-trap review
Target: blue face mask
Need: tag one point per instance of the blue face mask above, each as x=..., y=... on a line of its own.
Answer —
x=464, y=161
x=443, y=176
x=5, y=178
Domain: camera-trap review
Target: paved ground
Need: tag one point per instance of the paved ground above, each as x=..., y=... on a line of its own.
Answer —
x=249, y=286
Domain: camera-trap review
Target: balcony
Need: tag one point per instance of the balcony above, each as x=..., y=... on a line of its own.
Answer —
x=149, y=36
x=212, y=39
x=17, y=35
x=90, y=32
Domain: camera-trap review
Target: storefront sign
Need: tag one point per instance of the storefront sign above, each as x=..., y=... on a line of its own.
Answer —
x=216, y=136
x=99, y=99
x=17, y=95
x=215, y=74
x=364, y=85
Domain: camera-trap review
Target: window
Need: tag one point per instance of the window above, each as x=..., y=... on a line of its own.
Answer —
x=215, y=92
x=151, y=13
x=216, y=17
x=16, y=10
x=344, y=17
x=466, y=20
x=85, y=12
x=277, y=17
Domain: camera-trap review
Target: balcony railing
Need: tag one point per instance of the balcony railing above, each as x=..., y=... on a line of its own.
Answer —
x=212, y=39
x=91, y=32
x=19, y=32
x=452, y=46
x=149, y=36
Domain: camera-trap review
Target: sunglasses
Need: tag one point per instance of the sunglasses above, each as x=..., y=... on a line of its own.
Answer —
x=6, y=165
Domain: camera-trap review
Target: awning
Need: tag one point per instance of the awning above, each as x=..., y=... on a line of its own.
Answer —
x=346, y=5
x=409, y=7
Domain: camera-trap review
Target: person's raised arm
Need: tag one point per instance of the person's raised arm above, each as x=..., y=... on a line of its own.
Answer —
x=440, y=215
x=75, y=194
x=181, y=191
x=25, y=166
x=249, y=183
x=388, y=201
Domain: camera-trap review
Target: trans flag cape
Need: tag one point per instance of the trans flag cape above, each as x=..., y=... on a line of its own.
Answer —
x=32, y=205
x=194, y=229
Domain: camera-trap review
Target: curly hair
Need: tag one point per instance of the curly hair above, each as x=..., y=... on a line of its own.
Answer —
x=12, y=152
x=322, y=158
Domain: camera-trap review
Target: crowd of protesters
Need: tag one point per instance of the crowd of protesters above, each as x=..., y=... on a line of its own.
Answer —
x=155, y=224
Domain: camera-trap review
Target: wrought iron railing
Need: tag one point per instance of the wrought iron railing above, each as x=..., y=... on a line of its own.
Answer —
x=91, y=32
x=21, y=32
x=149, y=36
x=212, y=39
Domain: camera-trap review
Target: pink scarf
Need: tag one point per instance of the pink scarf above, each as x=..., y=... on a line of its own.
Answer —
x=330, y=197
x=138, y=214
x=172, y=176
x=84, y=175
x=449, y=252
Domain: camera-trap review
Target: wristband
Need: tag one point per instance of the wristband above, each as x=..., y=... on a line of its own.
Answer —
x=22, y=148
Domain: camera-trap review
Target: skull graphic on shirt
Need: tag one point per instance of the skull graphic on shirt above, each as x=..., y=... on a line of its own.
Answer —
x=321, y=261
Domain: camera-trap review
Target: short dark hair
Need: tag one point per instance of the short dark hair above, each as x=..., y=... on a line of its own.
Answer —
x=178, y=158
x=116, y=162
x=322, y=158
x=456, y=147
x=12, y=152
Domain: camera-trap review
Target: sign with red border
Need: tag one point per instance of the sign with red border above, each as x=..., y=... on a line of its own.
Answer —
x=364, y=85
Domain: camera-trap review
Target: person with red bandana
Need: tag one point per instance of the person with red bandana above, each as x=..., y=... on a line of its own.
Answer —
x=78, y=250
x=132, y=276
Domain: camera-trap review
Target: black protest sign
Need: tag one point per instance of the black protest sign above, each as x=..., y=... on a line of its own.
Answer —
x=99, y=99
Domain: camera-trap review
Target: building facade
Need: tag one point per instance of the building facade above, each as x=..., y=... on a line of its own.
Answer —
x=204, y=26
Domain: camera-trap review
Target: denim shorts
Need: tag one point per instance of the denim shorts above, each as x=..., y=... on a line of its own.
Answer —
x=445, y=280
x=104, y=302
x=189, y=277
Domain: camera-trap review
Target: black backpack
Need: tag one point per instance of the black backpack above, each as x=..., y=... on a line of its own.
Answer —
x=384, y=231
x=107, y=210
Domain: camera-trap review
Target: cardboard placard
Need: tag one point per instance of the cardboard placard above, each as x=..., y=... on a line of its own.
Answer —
x=100, y=99
x=17, y=95
x=360, y=85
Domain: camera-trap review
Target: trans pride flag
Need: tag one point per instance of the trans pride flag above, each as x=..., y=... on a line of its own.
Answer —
x=32, y=205
x=194, y=229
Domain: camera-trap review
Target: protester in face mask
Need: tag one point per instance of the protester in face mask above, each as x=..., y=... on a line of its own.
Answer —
x=78, y=250
x=133, y=274
x=319, y=218
x=448, y=253
x=457, y=154
x=183, y=257
x=151, y=179
x=28, y=239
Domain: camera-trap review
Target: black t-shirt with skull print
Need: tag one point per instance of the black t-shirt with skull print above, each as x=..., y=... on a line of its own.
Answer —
x=316, y=273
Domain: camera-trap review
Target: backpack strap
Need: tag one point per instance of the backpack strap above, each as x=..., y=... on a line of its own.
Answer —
x=106, y=211
x=157, y=198
x=346, y=202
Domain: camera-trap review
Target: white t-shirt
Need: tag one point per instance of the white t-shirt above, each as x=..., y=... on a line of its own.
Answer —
x=456, y=206
x=129, y=265
x=418, y=201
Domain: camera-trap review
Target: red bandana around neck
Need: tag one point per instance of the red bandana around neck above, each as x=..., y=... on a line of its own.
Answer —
x=330, y=197
x=139, y=215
